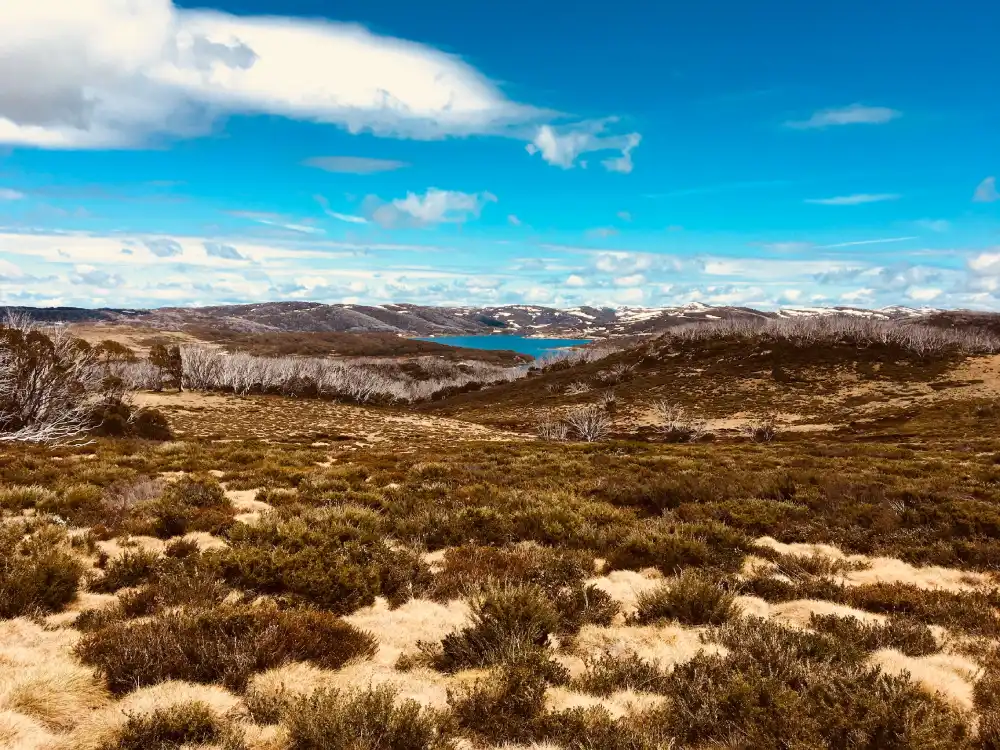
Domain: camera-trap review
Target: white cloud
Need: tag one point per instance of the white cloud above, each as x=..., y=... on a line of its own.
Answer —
x=433, y=207
x=635, y=279
x=354, y=164
x=108, y=73
x=858, y=295
x=792, y=295
x=624, y=216
x=985, y=263
x=855, y=114
x=854, y=200
x=987, y=192
x=575, y=280
x=923, y=294
x=7, y=194
x=513, y=220
x=562, y=149
x=602, y=232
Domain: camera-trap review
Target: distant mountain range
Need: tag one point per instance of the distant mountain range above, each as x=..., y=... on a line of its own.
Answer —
x=420, y=320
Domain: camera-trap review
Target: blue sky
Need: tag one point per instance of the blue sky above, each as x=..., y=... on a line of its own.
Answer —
x=766, y=154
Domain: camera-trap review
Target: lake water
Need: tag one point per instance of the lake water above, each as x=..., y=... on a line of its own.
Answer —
x=520, y=344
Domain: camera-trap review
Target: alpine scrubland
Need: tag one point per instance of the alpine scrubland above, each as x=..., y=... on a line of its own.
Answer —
x=771, y=534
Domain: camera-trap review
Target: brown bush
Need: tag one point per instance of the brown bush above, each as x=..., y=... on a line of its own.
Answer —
x=506, y=624
x=224, y=645
x=370, y=720
x=692, y=598
x=180, y=725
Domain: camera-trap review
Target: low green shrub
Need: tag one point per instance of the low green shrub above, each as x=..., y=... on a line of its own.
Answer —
x=905, y=635
x=693, y=598
x=506, y=624
x=37, y=573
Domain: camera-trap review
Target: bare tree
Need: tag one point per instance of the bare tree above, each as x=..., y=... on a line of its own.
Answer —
x=552, y=429
x=671, y=421
x=50, y=383
x=589, y=423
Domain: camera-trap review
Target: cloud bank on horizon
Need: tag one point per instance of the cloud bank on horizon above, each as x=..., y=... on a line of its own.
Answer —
x=153, y=154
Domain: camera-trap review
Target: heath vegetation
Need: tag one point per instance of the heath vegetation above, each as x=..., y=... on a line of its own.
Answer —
x=775, y=535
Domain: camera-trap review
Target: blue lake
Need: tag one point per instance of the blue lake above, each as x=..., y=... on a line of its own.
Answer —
x=520, y=344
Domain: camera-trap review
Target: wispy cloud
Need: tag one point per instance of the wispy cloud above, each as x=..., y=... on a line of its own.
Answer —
x=514, y=221
x=7, y=194
x=349, y=218
x=354, y=164
x=855, y=200
x=867, y=242
x=855, y=114
x=987, y=192
x=276, y=220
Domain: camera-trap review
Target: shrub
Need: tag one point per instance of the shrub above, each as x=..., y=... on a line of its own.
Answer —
x=504, y=706
x=328, y=560
x=152, y=424
x=192, y=503
x=610, y=673
x=584, y=605
x=506, y=623
x=763, y=430
x=673, y=547
x=589, y=423
x=734, y=701
x=19, y=498
x=131, y=568
x=370, y=720
x=37, y=575
x=183, y=724
x=225, y=645
x=693, y=598
x=910, y=637
x=469, y=568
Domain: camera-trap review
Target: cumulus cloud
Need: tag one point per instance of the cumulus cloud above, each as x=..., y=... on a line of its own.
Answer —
x=985, y=263
x=354, y=164
x=855, y=114
x=107, y=73
x=986, y=191
x=563, y=147
x=433, y=207
x=855, y=200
